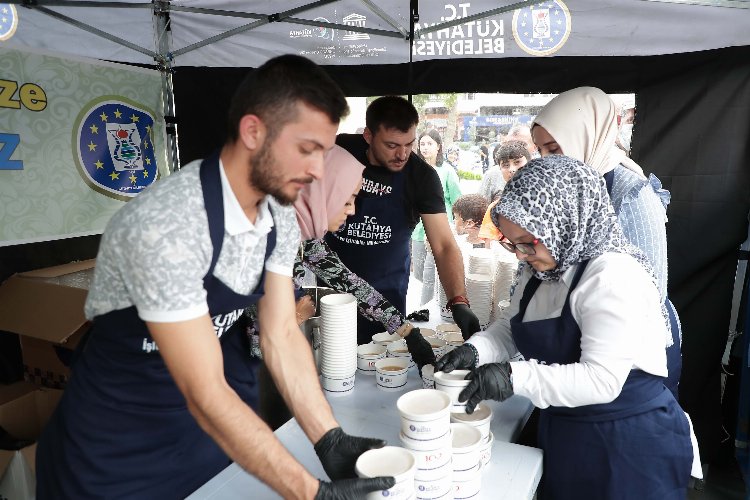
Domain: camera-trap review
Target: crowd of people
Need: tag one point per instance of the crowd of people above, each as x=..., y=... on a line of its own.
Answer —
x=164, y=389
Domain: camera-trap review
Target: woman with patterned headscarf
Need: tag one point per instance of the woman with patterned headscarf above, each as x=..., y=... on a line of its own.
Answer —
x=583, y=339
x=582, y=124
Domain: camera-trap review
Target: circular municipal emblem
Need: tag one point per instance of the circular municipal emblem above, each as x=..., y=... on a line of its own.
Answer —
x=323, y=31
x=542, y=29
x=113, y=141
x=8, y=20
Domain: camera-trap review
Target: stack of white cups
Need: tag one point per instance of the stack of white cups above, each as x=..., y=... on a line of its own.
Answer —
x=480, y=261
x=426, y=432
x=338, y=343
x=445, y=313
x=467, y=464
x=479, y=293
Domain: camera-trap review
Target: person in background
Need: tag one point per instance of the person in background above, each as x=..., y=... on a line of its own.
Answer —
x=467, y=214
x=430, y=148
x=510, y=157
x=581, y=123
x=587, y=322
x=522, y=133
x=484, y=156
x=625, y=121
x=398, y=189
x=451, y=156
x=162, y=392
x=323, y=206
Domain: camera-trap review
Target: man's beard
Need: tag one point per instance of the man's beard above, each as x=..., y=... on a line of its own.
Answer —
x=264, y=176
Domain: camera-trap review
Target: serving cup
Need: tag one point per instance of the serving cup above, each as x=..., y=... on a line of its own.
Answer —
x=427, y=332
x=467, y=483
x=389, y=461
x=445, y=328
x=385, y=338
x=399, y=350
x=428, y=377
x=367, y=355
x=481, y=419
x=431, y=454
x=438, y=346
x=425, y=415
x=452, y=384
x=338, y=386
x=437, y=486
x=485, y=449
x=466, y=443
x=390, y=373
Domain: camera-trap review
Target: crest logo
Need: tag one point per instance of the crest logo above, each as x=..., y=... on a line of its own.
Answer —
x=324, y=31
x=114, y=142
x=358, y=21
x=8, y=21
x=542, y=29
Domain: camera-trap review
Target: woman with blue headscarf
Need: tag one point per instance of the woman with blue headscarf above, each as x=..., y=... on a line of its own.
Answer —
x=583, y=339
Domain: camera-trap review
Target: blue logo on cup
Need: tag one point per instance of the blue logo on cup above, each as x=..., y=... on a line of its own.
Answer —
x=542, y=29
x=386, y=493
x=8, y=20
x=412, y=427
x=114, y=141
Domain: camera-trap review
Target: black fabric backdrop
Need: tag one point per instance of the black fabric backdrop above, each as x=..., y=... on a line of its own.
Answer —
x=692, y=130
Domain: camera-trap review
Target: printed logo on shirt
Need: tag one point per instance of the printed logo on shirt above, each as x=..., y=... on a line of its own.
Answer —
x=542, y=29
x=114, y=138
x=365, y=231
x=222, y=322
x=376, y=188
x=149, y=345
x=8, y=21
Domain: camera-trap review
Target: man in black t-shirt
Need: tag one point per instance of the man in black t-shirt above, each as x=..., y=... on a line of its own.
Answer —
x=398, y=188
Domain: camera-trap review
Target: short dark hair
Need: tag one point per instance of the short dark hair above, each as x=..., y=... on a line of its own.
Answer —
x=471, y=207
x=272, y=92
x=511, y=150
x=391, y=111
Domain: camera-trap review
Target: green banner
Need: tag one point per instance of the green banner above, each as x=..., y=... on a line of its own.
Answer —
x=78, y=139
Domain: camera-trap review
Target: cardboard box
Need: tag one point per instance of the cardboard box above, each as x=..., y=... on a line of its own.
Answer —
x=45, y=307
x=24, y=411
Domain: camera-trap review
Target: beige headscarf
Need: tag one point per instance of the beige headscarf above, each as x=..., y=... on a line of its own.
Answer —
x=583, y=121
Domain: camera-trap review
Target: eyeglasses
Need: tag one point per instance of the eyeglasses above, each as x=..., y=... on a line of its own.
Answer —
x=524, y=248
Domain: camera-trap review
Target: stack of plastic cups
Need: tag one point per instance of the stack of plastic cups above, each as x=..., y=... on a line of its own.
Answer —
x=389, y=461
x=445, y=313
x=467, y=476
x=480, y=419
x=338, y=343
x=479, y=293
x=504, y=273
x=426, y=432
x=480, y=261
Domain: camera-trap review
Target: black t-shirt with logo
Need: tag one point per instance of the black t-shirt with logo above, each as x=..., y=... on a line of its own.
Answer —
x=423, y=190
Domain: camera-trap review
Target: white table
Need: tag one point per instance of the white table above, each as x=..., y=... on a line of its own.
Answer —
x=513, y=472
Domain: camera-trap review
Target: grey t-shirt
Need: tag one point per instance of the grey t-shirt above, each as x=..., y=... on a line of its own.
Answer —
x=156, y=250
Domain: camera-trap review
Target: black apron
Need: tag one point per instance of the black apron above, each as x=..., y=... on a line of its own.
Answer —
x=122, y=428
x=636, y=447
x=374, y=244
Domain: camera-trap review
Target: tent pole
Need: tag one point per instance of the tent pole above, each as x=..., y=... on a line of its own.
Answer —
x=164, y=63
x=413, y=18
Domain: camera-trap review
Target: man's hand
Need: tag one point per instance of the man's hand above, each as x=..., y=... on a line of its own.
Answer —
x=465, y=319
x=419, y=348
x=346, y=489
x=338, y=452
x=491, y=381
x=461, y=358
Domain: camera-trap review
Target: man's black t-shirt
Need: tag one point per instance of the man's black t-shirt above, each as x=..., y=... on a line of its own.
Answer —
x=423, y=190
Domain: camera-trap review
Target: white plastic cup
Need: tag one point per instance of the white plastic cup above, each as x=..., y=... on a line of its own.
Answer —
x=485, y=450
x=367, y=355
x=399, y=349
x=428, y=377
x=389, y=461
x=452, y=384
x=427, y=332
x=385, y=338
x=438, y=486
x=391, y=380
x=466, y=443
x=438, y=346
x=337, y=386
x=468, y=483
x=425, y=414
x=481, y=419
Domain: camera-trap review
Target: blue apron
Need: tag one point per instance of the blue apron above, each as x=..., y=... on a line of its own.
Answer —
x=636, y=447
x=674, y=353
x=122, y=428
x=374, y=244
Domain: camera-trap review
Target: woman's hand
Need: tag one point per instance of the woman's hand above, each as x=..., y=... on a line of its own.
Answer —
x=491, y=381
x=304, y=309
x=419, y=348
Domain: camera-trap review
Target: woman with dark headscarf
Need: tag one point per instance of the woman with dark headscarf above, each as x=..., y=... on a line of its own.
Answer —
x=583, y=339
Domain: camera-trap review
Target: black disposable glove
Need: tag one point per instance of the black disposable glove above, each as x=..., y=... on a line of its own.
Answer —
x=338, y=452
x=491, y=381
x=461, y=358
x=346, y=489
x=420, y=349
x=466, y=320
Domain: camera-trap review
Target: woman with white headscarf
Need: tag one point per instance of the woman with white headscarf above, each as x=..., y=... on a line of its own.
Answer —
x=583, y=340
x=582, y=124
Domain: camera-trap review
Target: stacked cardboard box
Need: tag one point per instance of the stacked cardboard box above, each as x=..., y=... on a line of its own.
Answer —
x=45, y=308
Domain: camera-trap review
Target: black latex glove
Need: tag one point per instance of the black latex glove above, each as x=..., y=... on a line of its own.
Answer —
x=420, y=349
x=460, y=358
x=465, y=319
x=491, y=381
x=338, y=452
x=346, y=489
